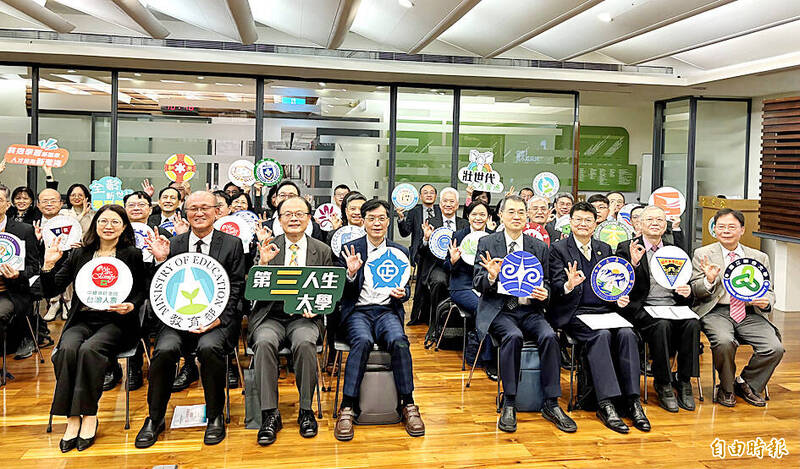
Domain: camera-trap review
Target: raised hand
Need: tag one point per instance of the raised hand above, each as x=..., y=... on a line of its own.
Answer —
x=310, y=199
x=490, y=224
x=470, y=189
x=37, y=229
x=574, y=276
x=684, y=291
x=492, y=266
x=148, y=188
x=623, y=301
x=353, y=260
x=48, y=171
x=637, y=252
x=551, y=215
x=401, y=214
x=259, y=187
x=308, y=314
x=267, y=251
x=2, y=165
x=710, y=269
x=158, y=246
x=187, y=189
x=676, y=222
x=53, y=253
x=455, y=252
x=427, y=230
x=510, y=191
x=263, y=234
x=336, y=222
x=181, y=226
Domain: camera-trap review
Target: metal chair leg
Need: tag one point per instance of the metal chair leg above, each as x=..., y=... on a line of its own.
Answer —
x=699, y=389
x=127, y=394
x=766, y=392
x=499, y=395
x=227, y=392
x=50, y=424
x=146, y=352
x=713, y=380
x=480, y=345
x=570, y=404
x=645, y=373
x=337, y=364
x=5, y=369
x=319, y=392
x=464, y=346
x=35, y=339
x=239, y=366
x=446, y=320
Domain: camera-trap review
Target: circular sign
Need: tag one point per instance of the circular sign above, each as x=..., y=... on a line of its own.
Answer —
x=520, y=273
x=624, y=214
x=189, y=291
x=62, y=225
x=405, y=196
x=537, y=231
x=670, y=199
x=613, y=232
x=102, y=282
x=612, y=278
x=277, y=229
x=746, y=279
x=562, y=224
x=240, y=172
x=12, y=251
x=387, y=268
x=250, y=217
x=180, y=167
x=671, y=267
x=546, y=184
x=344, y=235
x=439, y=243
x=469, y=246
x=235, y=226
x=324, y=214
x=141, y=232
x=711, y=225
x=268, y=171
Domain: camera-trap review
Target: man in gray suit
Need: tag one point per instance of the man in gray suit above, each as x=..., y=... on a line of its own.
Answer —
x=272, y=328
x=727, y=321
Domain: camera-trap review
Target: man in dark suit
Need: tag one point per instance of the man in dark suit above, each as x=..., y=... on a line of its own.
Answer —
x=510, y=319
x=612, y=354
x=410, y=224
x=431, y=286
x=270, y=327
x=663, y=335
x=211, y=342
x=168, y=211
x=370, y=315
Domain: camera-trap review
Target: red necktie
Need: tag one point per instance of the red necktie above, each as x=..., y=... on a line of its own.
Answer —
x=737, y=306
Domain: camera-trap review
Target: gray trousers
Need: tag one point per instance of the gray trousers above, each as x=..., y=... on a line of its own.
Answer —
x=6, y=311
x=300, y=336
x=725, y=335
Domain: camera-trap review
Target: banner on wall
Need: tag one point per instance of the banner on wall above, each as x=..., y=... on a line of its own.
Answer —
x=46, y=153
x=479, y=173
x=107, y=190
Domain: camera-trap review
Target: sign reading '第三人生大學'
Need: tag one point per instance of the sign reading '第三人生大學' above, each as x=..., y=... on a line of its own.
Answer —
x=302, y=289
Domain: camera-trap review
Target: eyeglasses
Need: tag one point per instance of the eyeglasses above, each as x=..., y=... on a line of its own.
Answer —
x=727, y=227
x=50, y=201
x=380, y=219
x=649, y=220
x=581, y=221
x=286, y=195
x=513, y=213
x=203, y=208
x=109, y=221
x=290, y=215
x=538, y=209
x=137, y=204
x=601, y=207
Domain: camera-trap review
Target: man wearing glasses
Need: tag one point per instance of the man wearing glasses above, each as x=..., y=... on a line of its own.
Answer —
x=211, y=341
x=271, y=328
x=663, y=335
x=286, y=190
x=538, y=210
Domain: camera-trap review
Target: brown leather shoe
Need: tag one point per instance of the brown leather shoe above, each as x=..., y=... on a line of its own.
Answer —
x=414, y=424
x=344, y=429
x=725, y=398
x=744, y=391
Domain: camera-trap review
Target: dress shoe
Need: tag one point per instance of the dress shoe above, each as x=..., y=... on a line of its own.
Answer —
x=25, y=349
x=308, y=423
x=186, y=376
x=271, y=424
x=45, y=341
x=685, y=396
x=148, y=435
x=744, y=391
x=112, y=377
x=638, y=416
x=233, y=376
x=215, y=430
x=725, y=398
x=68, y=445
x=135, y=378
x=52, y=311
x=508, y=419
x=344, y=429
x=85, y=443
x=666, y=397
x=562, y=421
x=608, y=415
x=491, y=372
x=413, y=420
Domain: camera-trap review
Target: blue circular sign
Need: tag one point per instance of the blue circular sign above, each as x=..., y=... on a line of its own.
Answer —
x=439, y=243
x=520, y=273
x=746, y=279
x=612, y=278
x=405, y=196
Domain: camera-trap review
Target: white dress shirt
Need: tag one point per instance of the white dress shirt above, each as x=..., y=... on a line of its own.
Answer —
x=368, y=295
x=726, y=298
x=302, y=244
x=452, y=221
x=580, y=250
x=193, y=239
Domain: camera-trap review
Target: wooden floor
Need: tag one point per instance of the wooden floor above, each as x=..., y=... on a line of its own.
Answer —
x=461, y=426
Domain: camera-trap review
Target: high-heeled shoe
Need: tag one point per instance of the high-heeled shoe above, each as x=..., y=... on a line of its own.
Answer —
x=84, y=444
x=69, y=445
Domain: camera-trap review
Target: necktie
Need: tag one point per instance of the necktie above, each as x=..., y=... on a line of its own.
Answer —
x=199, y=246
x=449, y=224
x=586, y=253
x=293, y=255
x=512, y=302
x=429, y=211
x=737, y=306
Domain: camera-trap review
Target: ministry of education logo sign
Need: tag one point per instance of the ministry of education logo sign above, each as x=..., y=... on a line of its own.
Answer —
x=189, y=291
x=387, y=268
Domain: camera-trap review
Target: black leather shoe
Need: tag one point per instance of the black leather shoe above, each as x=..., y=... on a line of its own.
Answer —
x=562, y=421
x=308, y=423
x=725, y=398
x=685, y=395
x=491, y=372
x=638, y=416
x=84, y=444
x=233, y=376
x=608, y=415
x=215, y=430
x=744, y=391
x=148, y=435
x=135, y=379
x=186, y=376
x=666, y=397
x=25, y=349
x=68, y=445
x=508, y=419
x=45, y=341
x=112, y=378
x=271, y=424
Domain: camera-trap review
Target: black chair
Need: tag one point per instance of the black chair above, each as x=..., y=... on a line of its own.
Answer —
x=496, y=344
x=450, y=333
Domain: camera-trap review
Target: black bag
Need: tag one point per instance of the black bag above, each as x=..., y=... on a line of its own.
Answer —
x=472, y=346
x=529, y=391
x=585, y=396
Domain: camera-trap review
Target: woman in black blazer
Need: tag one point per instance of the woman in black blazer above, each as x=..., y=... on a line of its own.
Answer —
x=91, y=338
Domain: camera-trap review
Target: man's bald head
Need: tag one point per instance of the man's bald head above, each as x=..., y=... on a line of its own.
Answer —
x=47, y=193
x=49, y=203
x=201, y=197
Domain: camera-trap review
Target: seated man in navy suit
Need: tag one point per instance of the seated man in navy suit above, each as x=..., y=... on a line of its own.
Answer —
x=509, y=318
x=613, y=354
x=369, y=315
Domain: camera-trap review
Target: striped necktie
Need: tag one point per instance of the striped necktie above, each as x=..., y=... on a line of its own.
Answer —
x=737, y=306
x=293, y=255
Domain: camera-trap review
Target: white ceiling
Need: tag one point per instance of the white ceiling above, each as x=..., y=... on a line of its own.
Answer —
x=705, y=39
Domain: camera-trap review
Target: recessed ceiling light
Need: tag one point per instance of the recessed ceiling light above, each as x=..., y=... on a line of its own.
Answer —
x=406, y=3
x=322, y=84
x=137, y=74
x=70, y=71
x=201, y=78
x=605, y=17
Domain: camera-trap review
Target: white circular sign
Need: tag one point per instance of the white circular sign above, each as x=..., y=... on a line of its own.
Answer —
x=405, y=196
x=469, y=246
x=62, y=225
x=277, y=229
x=624, y=214
x=671, y=200
x=250, y=217
x=385, y=269
x=324, y=215
x=671, y=267
x=189, y=291
x=546, y=184
x=344, y=235
x=240, y=172
x=439, y=243
x=102, y=282
x=711, y=225
x=12, y=251
x=141, y=231
x=235, y=226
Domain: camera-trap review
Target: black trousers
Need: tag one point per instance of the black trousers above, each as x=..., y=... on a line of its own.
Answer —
x=667, y=337
x=211, y=348
x=84, y=352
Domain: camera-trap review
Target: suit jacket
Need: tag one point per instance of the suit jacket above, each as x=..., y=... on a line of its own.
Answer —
x=353, y=289
x=425, y=259
x=641, y=285
x=562, y=252
x=460, y=272
x=317, y=254
x=707, y=299
x=18, y=289
x=412, y=225
x=55, y=281
x=491, y=302
x=228, y=251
